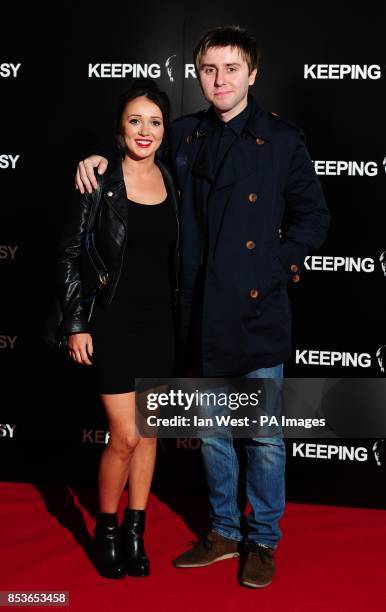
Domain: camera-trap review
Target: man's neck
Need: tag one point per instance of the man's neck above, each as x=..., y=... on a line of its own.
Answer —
x=233, y=112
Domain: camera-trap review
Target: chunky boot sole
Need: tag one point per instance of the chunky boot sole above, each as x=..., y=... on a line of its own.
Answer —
x=138, y=572
x=108, y=573
x=132, y=546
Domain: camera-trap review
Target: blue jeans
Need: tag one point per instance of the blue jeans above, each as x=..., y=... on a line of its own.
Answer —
x=265, y=483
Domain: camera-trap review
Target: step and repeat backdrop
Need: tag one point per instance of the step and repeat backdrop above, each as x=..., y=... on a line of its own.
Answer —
x=323, y=67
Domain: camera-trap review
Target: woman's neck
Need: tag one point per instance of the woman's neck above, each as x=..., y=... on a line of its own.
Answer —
x=137, y=166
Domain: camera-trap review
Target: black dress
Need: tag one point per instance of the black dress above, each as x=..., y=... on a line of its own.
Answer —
x=134, y=336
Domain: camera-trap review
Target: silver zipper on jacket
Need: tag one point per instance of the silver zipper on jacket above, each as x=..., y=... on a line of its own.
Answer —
x=114, y=286
x=103, y=276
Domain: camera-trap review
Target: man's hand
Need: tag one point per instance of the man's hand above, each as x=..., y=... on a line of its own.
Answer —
x=85, y=176
x=80, y=348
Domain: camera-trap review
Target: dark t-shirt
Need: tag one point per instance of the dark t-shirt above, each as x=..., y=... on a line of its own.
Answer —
x=145, y=284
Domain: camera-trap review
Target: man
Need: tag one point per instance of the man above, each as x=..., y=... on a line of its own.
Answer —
x=239, y=169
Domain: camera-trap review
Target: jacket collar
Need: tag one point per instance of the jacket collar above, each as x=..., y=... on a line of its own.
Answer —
x=257, y=123
x=114, y=190
x=246, y=155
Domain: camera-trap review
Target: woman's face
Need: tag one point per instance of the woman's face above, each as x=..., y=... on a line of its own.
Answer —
x=142, y=127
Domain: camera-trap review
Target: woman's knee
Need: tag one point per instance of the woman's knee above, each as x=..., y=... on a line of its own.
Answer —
x=124, y=445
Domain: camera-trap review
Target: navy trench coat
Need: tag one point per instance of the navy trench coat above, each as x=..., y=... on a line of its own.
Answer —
x=252, y=256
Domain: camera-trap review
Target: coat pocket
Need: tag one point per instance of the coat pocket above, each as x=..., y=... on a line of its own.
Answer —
x=274, y=272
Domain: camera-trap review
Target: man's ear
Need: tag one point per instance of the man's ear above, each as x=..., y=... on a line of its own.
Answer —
x=252, y=76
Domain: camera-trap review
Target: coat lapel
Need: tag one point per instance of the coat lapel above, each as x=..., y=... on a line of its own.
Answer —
x=250, y=153
x=203, y=163
x=114, y=191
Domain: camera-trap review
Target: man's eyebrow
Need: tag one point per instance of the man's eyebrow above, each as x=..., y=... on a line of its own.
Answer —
x=214, y=65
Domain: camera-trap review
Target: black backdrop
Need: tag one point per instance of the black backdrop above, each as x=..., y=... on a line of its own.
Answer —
x=56, y=106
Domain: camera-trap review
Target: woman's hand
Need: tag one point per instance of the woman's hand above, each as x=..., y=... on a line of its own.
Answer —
x=80, y=348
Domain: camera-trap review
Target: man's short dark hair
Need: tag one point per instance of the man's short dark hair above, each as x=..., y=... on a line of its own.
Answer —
x=229, y=36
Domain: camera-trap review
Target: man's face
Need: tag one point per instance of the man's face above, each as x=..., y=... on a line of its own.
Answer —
x=224, y=78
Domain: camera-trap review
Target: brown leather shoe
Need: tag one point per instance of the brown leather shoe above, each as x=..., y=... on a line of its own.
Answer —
x=214, y=547
x=258, y=566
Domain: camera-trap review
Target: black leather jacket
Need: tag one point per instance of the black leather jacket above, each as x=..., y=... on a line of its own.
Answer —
x=109, y=241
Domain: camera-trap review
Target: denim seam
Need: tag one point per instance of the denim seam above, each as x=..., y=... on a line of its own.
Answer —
x=273, y=546
x=226, y=535
x=235, y=480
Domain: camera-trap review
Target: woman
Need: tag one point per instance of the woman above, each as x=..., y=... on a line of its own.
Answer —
x=131, y=330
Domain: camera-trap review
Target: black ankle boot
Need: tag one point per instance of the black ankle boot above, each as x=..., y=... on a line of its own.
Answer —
x=108, y=557
x=133, y=550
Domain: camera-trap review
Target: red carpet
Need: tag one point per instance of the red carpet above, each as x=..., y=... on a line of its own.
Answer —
x=329, y=558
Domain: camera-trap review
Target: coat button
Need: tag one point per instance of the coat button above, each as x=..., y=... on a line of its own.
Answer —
x=250, y=244
x=254, y=293
x=189, y=139
x=260, y=141
x=296, y=278
x=294, y=268
x=252, y=197
x=110, y=193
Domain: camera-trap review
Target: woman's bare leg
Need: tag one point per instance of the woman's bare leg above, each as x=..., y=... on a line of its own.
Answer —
x=141, y=472
x=125, y=455
x=115, y=461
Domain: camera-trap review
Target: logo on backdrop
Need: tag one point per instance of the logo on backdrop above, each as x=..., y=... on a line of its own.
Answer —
x=342, y=71
x=342, y=359
x=122, y=71
x=381, y=357
x=9, y=70
x=135, y=71
x=307, y=450
x=382, y=259
x=8, y=251
x=345, y=168
x=102, y=436
x=7, y=342
x=331, y=263
x=332, y=358
x=328, y=263
x=95, y=436
x=169, y=65
x=7, y=430
x=379, y=448
x=189, y=444
x=8, y=161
